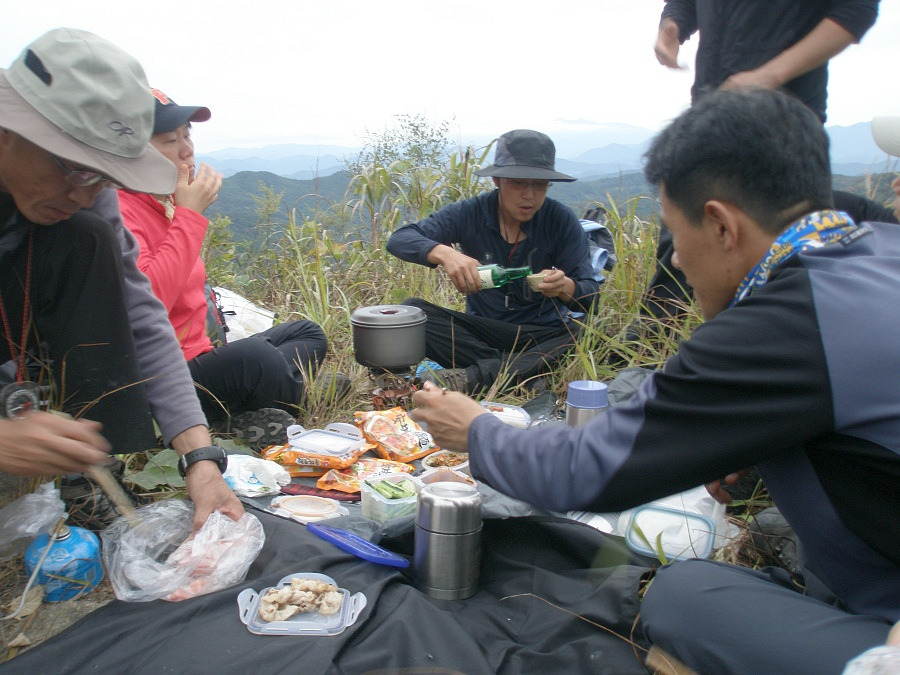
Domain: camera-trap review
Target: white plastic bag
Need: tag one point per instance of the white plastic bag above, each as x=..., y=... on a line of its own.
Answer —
x=27, y=517
x=252, y=476
x=159, y=558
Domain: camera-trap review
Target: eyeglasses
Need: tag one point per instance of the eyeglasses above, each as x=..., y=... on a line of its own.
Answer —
x=523, y=185
x=83, y=177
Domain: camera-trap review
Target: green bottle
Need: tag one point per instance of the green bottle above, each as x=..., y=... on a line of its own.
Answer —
x=493, y=276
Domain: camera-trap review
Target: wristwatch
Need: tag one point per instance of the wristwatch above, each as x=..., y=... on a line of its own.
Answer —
x=211, y=452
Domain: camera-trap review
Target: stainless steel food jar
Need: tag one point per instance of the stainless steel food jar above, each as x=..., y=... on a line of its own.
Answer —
x=585, y=400
x=388, y=337
x=447, y=552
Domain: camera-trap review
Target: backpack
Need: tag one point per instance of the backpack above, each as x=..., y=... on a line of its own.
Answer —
x=600, y=240
x=216, y=328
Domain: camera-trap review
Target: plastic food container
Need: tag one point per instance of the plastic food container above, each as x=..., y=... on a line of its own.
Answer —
x=378, y=507
x=307, y=623
x=512, y=415
x=458, y=461
x=336, y=440
x=447, y=475
x=681, y=534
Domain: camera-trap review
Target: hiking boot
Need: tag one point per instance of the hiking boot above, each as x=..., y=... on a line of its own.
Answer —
x=334, y=386
x=261, y=428
x=88, y=506
x=452, y=379
x=774, y=540
x=537, y=385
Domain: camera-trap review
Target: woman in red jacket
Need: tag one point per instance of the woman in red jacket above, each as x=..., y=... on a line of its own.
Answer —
x=247, y=386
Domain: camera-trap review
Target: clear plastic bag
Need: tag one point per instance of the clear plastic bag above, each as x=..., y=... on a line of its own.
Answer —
x=160, y=559
x=27, y=517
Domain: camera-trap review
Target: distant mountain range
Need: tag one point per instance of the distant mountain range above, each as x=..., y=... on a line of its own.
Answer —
x=313, y=196
x=606, y=160
x=590, y=152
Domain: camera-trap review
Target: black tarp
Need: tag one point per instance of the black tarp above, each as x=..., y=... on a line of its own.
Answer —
x=581, y=571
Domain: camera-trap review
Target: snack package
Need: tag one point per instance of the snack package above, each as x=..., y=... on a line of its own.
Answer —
x=347, y=480
x=299, y=463
x=315, y=451
x=396, y=436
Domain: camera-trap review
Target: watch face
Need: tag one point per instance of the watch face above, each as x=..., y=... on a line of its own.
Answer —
x=18, y=398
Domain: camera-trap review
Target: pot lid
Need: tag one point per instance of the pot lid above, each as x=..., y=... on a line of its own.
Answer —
x=388, y=316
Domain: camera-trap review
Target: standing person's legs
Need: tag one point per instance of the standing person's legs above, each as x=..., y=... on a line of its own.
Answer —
x=81, y=330
x=719, y=618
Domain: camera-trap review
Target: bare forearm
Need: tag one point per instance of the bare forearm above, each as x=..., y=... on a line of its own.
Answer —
x=826, y=40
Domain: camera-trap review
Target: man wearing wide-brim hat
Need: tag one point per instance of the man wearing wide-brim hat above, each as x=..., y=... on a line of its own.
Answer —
x=76, y=116
x=515, y=330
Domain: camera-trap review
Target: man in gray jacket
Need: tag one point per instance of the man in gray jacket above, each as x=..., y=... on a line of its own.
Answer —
x=75, y=119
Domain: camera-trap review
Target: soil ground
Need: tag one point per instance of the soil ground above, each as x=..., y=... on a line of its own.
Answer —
x=49, y=618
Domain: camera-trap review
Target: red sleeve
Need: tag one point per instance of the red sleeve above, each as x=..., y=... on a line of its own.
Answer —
x=168, y=251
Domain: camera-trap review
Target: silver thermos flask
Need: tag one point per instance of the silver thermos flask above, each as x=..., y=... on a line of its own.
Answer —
x=447, y=551
x=584, y=401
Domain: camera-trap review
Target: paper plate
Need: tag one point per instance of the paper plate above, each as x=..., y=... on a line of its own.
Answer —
x=307, y=508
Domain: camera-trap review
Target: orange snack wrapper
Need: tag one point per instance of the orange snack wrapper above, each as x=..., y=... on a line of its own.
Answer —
x=347, y=480
x=303, y=463
x=395, y=434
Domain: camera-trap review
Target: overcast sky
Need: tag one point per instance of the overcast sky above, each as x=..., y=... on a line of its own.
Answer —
x=329, y=71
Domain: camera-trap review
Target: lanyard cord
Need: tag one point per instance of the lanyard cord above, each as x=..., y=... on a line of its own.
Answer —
x=515, y=243
x=26, y=315
x=513, y=249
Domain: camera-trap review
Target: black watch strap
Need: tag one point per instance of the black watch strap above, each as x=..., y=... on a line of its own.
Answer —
x=212, y=452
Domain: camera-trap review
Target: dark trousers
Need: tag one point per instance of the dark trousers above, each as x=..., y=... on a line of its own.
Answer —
x=80, y=339
x=486, y=346
x=719, y=618
x=265, y=370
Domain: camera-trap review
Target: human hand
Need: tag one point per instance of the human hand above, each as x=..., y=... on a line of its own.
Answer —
x=760, y=78
x=448, y=415
x=199, y=193
x=666, y=48
x=893, y=638
x=43, y=444
x=209, y=492
x=462, y=270
x=557, y=285
x=718, y=492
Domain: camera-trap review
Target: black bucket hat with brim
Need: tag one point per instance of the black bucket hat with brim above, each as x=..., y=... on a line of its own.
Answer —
x=524, y=153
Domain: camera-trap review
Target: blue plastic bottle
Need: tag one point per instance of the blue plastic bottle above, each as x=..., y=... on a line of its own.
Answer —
x=71, y=568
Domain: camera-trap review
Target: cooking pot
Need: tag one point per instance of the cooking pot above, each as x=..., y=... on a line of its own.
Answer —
x=388, y=337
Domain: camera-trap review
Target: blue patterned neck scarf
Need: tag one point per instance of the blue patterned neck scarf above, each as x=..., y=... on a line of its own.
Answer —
x=812, y=231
